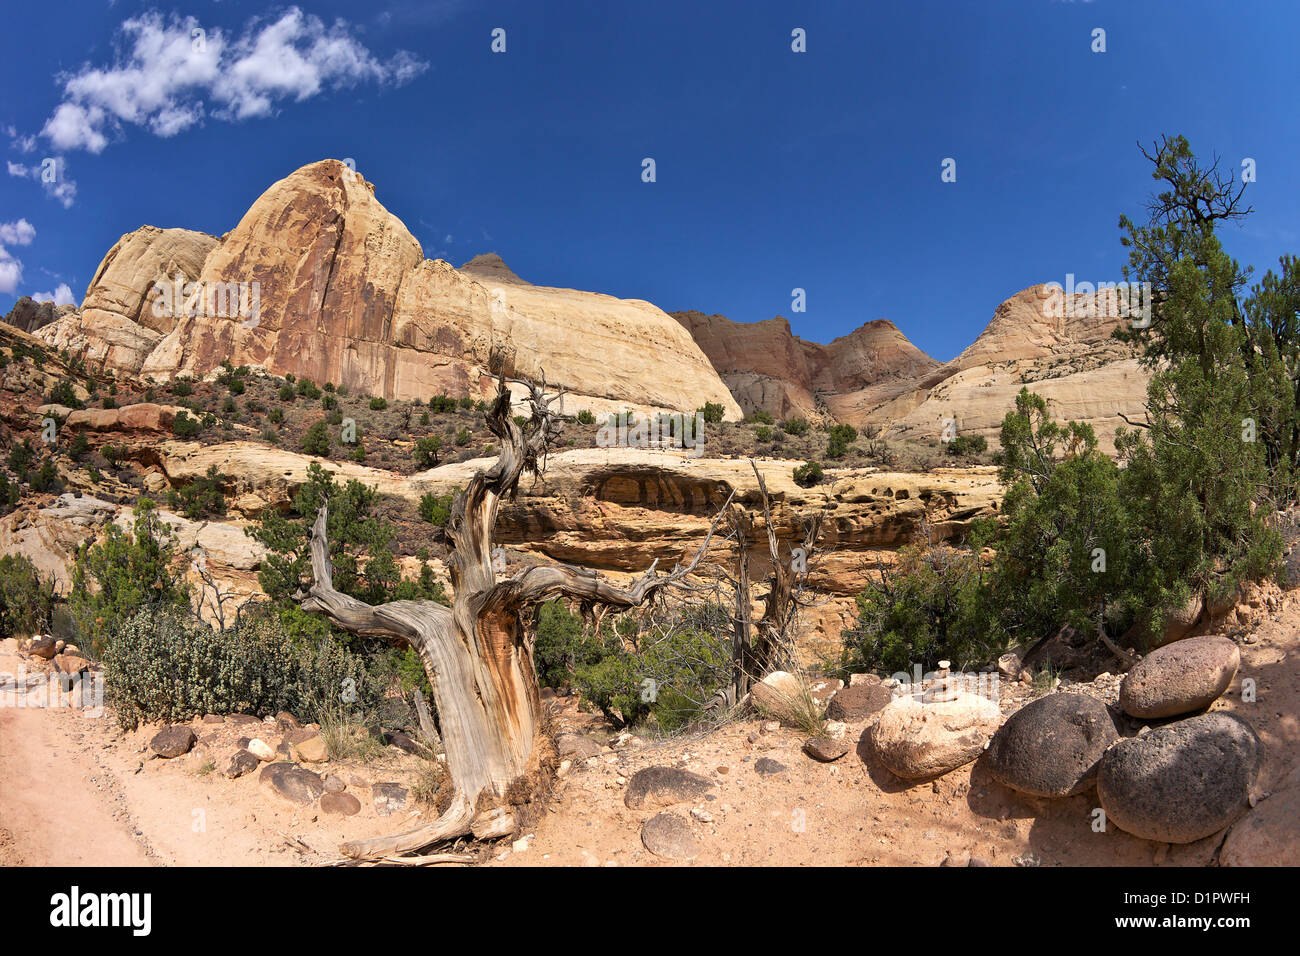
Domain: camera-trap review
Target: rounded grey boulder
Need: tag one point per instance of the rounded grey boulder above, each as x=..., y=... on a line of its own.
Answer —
x=1180, y=678
x=1181, y=782
x=1051, y=746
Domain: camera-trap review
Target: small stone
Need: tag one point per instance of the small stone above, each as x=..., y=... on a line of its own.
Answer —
x=1180, y=678
x=402, y=742
x=1183, y=781
x=669, y=835
x=858, y=703
x=261, y=750
x=825, y=749
x=312, y=750
x=578, y=747
x=766, y=766
x=339, y=804
x=286, y=721
x=241, y=762
x=655, y=787
x=704, y=816
x=291, y=782
x=334, y=784
x=173, y=741
x=388, y=797
x=213, y=719
x=44, y=647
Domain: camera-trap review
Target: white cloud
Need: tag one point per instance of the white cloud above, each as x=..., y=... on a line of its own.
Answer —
x=171, y=74
x=52, y=174
x=24, y=144
x=60, y=296
x=20, y=233
x=11, y=272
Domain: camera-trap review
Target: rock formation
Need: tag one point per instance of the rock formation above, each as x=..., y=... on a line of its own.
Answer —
x=29, y=315
x=767, y=367
x=320, y=280
x=875, y=379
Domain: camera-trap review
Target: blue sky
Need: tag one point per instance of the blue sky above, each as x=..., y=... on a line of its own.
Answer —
x=774, y=169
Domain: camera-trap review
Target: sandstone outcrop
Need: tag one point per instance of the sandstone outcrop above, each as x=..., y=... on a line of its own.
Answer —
x=117, y=327
x=29, y=315
x=767, y=367
x=319, y=280
x=873, y=378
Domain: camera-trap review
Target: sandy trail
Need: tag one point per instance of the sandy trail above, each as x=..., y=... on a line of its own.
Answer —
x=76, y=790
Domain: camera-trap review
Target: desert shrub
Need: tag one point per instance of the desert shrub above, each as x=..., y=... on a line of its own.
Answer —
x=462, y=438
x=762, y=417
x=436, y=509
x=184, y=427
x=182, y=387
x=426, y=451
x=275, y=416
x=795, y=426
x=45, y=478
x=808, y=474
x=965, y=446
x=329, y=402
x=712, y=412
x=26, y=599
x=838, y=439
x=378, y=404
x=125, y=571
x=200, y=498
x=21, y=456
x=932, y=605
x=586, y=417
x=64, y=393
x=316, y=439
x=307, y=389
x=763, y=433
x=286, y=393
x=10, y=493
x=162, y=665
x=465, y=403
x=671, y=674
x=442, y=403
x=357, y=536
x=563, y=645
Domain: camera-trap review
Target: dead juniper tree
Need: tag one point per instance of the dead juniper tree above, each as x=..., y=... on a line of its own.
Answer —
x=762, y=646
x=478, y=653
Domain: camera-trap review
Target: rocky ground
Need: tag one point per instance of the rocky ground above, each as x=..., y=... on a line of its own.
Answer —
x=74, y=789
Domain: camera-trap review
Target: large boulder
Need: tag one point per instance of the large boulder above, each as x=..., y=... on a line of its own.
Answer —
x=920, y=739
x=1180, y=678
x=1051, y=746
x=1183, y=781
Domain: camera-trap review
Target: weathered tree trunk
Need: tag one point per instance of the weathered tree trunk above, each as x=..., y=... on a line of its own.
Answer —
x=478, y=653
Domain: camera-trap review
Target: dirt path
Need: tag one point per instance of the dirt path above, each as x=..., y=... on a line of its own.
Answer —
x=76, y=790
x=58, y=806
